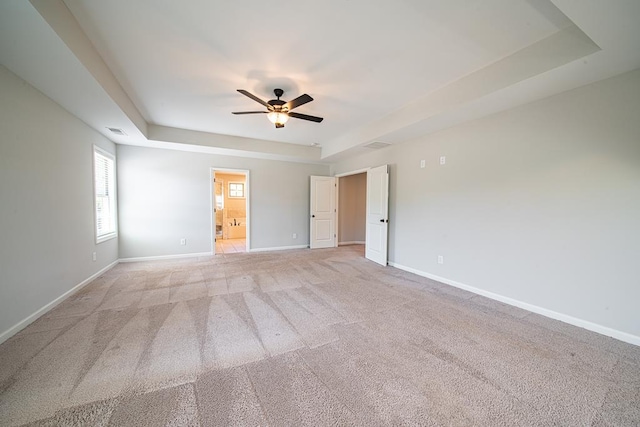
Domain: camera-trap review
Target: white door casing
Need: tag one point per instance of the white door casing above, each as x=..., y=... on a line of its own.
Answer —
x=322, y=212
x=377, y=214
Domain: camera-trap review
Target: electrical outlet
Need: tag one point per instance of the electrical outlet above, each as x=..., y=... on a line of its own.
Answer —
x=183, y=241
x=94, y=256
x=422, y=163
x=443, y=160
x=440, y=259
x=295, y=235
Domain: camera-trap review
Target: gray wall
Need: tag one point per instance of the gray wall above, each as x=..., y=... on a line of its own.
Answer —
x=165, y=195
x=46, y=209
x=352, y=208
x=539, y=203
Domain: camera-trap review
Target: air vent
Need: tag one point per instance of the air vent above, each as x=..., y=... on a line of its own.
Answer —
x=117, y=131
x=376, y=145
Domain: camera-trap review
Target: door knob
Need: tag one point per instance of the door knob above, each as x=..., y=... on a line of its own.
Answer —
x=313, y=216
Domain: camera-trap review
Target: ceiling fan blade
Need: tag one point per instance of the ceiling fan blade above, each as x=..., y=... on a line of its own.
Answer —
x=249, y=112
x=306, y=117
x=301, y=100
x=255, y=98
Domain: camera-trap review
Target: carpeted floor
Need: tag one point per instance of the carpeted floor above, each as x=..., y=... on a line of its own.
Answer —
x=304, y=337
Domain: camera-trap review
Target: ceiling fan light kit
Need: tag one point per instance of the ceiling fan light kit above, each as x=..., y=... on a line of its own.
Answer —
x=279, y=111
x=278, y=117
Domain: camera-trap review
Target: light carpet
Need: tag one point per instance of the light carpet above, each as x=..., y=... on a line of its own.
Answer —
x=293, y=338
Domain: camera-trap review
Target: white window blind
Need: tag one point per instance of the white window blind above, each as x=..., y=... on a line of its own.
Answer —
x=104, y=180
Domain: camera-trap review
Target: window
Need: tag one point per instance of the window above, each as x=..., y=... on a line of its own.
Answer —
x=104, y=187
x=236, y=189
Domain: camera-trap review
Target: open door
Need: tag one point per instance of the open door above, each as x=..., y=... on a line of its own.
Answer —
x=323, y=212
x=377, y=214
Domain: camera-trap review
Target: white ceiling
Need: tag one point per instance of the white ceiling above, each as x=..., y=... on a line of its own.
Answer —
x=378, y=70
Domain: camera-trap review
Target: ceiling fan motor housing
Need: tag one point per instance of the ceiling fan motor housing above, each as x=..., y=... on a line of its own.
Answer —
x=277, y=103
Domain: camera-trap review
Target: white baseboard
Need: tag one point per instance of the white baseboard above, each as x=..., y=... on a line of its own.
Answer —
x=278, y=248
x=351, y=243
x=604, y=330
x=163, y=257
x=26, y=321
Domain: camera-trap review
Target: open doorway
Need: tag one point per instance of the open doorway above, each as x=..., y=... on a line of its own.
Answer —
x=374, y=186
x=352, y=209
x=230, y=211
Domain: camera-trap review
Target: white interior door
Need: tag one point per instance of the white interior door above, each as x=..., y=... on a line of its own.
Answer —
x=323, y=212
x=377, y=214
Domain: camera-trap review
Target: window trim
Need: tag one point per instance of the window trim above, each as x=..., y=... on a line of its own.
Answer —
x=113, y=234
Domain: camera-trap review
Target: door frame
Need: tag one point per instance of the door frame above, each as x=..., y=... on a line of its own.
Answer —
x=338, y=176
x=212, y=203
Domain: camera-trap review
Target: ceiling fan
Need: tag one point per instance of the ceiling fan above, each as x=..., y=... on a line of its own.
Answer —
x=279, y=111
